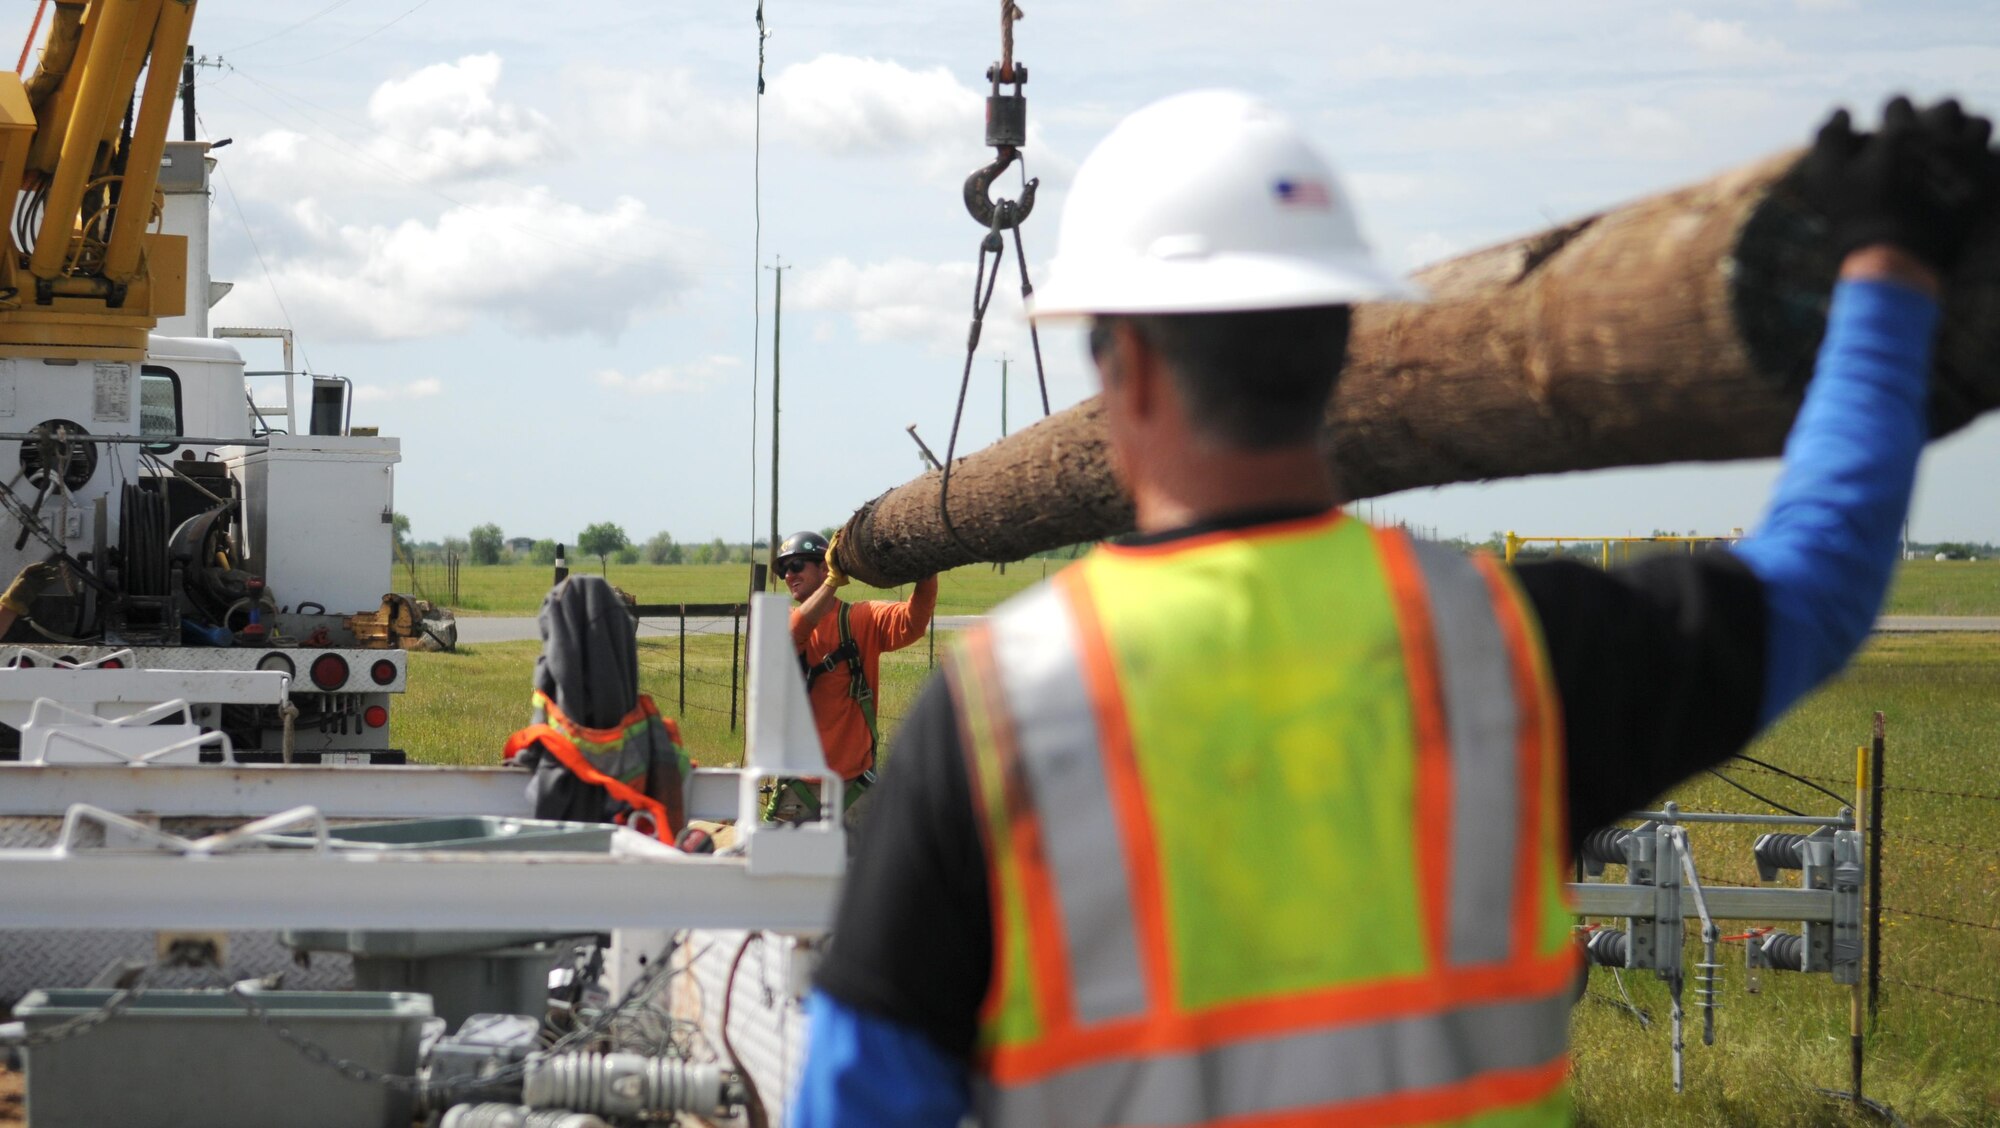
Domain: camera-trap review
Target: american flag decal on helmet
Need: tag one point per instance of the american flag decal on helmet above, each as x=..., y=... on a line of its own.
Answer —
x=1302, y=193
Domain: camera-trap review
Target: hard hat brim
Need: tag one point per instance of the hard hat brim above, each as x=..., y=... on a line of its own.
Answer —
x=1218, y=283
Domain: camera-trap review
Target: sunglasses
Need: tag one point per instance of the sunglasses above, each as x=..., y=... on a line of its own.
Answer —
x=794, y=566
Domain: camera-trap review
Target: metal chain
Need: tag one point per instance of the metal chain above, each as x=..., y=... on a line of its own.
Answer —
x=117, y=1004
x=319, y=1055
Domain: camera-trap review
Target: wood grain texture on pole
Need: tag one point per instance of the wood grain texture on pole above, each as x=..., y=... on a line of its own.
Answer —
x=1681, y=327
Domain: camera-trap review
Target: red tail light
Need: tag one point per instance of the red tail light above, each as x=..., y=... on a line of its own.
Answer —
x=111, y=664
x=375, y=715
x=329, y=672
x=383, y=671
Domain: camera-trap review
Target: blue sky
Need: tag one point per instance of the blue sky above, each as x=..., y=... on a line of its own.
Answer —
x=527, y=233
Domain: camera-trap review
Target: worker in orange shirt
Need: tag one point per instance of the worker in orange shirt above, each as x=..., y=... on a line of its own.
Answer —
x=840, y=647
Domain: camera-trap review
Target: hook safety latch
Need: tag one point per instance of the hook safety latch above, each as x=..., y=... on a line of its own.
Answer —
x=1006, y=131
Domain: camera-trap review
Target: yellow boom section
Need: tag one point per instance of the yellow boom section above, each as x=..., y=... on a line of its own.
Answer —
x=83, y=274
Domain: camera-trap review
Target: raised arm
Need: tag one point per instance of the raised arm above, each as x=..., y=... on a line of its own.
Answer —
x=1902, y=202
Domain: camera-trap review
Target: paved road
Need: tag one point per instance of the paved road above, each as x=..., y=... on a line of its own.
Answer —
x=1938, y=623
x=483, y=629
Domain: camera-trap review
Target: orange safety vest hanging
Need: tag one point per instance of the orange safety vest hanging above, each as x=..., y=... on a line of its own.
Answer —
x=616, y=759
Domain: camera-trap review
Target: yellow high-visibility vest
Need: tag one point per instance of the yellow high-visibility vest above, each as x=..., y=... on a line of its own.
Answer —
x=1275, y=830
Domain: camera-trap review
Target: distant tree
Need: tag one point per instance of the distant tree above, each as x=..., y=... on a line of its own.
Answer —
x=601, y=540
x=456, y=545
x=627, y=555
x=485, y=541
x=718, y=552
x=542, y=552
x=400, y=529
x=661, y=549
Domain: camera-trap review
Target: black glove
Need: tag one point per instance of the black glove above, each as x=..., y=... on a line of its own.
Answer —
x=1920, y=183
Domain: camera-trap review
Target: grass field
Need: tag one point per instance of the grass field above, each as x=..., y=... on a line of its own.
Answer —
x=1946, y=587
x=1923, y=587
x=517, y=589
x=1935, y=1059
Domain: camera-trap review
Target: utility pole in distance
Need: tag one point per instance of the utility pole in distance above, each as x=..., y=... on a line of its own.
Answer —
x=778, y=269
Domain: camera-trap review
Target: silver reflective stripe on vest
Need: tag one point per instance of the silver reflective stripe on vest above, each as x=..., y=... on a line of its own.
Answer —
x=1055, y=731
x=1299, y=1072
x=1483, y=720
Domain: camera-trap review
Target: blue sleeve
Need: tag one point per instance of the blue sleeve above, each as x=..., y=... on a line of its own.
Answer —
x=862, y=1071
x=1827, y=549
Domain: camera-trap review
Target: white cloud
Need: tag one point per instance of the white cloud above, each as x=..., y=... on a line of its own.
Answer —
x=416, y=389
x=443, y=122
x=665, y=106
x=540, y=265
x=907, y=300
x=1726, y=40
x=692, y=377
x=846, y=104
x=1383, y=62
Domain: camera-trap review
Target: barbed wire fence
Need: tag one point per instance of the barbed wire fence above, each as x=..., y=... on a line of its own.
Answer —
x=1901, y=854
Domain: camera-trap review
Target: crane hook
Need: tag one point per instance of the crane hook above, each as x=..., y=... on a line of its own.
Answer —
x=998, y=215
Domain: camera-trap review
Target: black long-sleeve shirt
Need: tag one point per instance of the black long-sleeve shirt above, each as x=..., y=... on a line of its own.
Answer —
x=1658, y=668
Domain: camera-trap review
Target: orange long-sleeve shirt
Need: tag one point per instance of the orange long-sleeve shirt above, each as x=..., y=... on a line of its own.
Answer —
x=877, y=626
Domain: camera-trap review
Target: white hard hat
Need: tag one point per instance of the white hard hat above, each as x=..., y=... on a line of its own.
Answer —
x=1208, y=202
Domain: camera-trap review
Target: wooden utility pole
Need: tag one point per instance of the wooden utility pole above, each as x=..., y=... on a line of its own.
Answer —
x=1682, y=327
x=778, y=269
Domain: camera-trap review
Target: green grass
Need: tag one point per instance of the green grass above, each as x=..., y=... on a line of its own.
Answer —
x=1936, y=1060
x=461, y=707
x=517, y=589
x=1945, y=587
x=1922, y=587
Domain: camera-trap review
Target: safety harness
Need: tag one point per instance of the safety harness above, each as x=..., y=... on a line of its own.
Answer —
x=848, y=653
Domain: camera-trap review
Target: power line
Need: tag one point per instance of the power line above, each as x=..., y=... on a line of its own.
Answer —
x=294, y=27
x=421, y=4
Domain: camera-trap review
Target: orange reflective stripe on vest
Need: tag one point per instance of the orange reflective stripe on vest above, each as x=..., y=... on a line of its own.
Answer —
x=1174, y=943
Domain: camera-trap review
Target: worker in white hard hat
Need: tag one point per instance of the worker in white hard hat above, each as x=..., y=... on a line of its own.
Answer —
x=1264, y=815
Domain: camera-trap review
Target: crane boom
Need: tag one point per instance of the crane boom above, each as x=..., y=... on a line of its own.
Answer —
x=83, y=276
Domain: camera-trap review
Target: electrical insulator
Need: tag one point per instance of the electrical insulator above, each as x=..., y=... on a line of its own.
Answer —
x=1784, y=951
x=1608, y=947
x=625, y=1085
x=1604, y=847
x=1779, y=852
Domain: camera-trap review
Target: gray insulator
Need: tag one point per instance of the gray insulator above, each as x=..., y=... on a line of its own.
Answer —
x=1785, y=951
x=1608, y=947
x=622, y=1084
x=1605, y=847
x=1779, y=852
x=492, y=1115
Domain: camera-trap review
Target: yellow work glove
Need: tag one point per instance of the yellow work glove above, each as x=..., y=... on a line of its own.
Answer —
x=835, y=578
x=29, y=584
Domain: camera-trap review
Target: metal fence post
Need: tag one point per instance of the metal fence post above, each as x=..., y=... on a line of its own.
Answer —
x=735, y=635
x=1875, y=792
x=684, y=660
